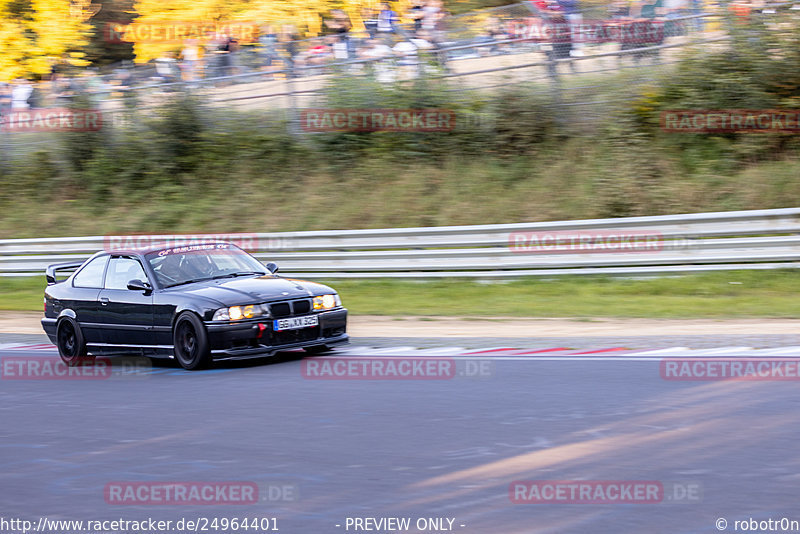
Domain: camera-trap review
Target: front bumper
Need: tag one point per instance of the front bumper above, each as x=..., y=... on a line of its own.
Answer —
x=256, y=338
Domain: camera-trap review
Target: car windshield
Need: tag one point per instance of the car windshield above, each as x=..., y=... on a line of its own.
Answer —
x=194, y=263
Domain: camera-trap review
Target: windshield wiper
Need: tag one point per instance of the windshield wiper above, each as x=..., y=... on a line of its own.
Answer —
x=241, y=273
x=188, y=282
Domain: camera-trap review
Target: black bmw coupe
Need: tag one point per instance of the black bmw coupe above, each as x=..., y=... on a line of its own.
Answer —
x=196, y=303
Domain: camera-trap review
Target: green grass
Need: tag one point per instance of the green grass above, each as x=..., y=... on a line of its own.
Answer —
x=575, y=186
x=711, y=295
x=22, y=294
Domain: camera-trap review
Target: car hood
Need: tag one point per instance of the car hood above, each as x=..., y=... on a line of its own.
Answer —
x=253, y=290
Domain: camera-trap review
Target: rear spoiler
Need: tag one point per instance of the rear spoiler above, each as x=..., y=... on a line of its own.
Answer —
x=50, y=273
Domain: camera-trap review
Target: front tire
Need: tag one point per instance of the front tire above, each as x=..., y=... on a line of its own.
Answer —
x=191, y=342
x=70, y=342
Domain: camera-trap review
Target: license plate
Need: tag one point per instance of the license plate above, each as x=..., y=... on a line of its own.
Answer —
x=293, y=323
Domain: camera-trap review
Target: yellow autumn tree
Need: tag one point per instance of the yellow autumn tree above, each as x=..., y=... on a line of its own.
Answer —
x=149, y=32
x=305, y=15
x=36, y=33
x=13, y=46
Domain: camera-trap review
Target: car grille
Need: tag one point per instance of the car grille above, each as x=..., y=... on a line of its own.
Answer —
x=295, y=336
x=280, y=309
x=301, y=307
x=289, y=308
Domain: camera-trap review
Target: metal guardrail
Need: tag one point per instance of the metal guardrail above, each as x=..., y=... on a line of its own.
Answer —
x=760, y=239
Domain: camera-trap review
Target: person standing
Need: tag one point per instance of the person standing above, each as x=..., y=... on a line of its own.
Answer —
x=561, y=40
x=268, y=41
x=228, y=49
x=434, y=20
x=432, y=12
x=165, y=68
x=407, y=52
x=190, y=56
x=574, y=18
x=20, y=93
x=379, y=53
x=370, y=20
x=387, y=19
x=5, y=98
x=417, y=14
x=341, y=26
x=289, y=38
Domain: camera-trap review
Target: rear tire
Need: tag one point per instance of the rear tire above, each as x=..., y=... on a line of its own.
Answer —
x=191, y=342
x=70, y=342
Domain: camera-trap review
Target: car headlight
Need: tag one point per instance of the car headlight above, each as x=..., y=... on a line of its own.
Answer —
x=326, y=302
x=236, y=313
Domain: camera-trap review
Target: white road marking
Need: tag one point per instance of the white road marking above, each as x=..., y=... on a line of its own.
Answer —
x=777, y=351
x=441, y=351
x=664, y=352
x=350, y=349
x=493, y=349
x=398, y=351
x=390, y=350
x=565, y=358
x=720, y=351
x=21, y=347
x=515, y=354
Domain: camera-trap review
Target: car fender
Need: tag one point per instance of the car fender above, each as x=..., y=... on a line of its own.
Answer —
x=67, y=312
x=190, y=307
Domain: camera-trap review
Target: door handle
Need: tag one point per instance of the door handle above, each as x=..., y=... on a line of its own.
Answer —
x=103, y=301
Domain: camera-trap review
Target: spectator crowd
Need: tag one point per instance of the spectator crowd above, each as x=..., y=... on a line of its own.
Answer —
x=394, y=50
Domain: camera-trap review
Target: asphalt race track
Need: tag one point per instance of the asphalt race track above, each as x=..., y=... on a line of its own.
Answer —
x=326, y=453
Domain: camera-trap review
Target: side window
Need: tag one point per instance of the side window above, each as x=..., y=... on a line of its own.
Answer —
x=92, y=274
x=123, y=270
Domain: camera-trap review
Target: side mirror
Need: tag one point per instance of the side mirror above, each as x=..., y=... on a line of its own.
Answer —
x=138, y=285
x=272, y=267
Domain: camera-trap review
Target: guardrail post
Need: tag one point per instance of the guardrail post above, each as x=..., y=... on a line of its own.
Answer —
x=555, y=87
x=294, y=120
x=3, y=151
